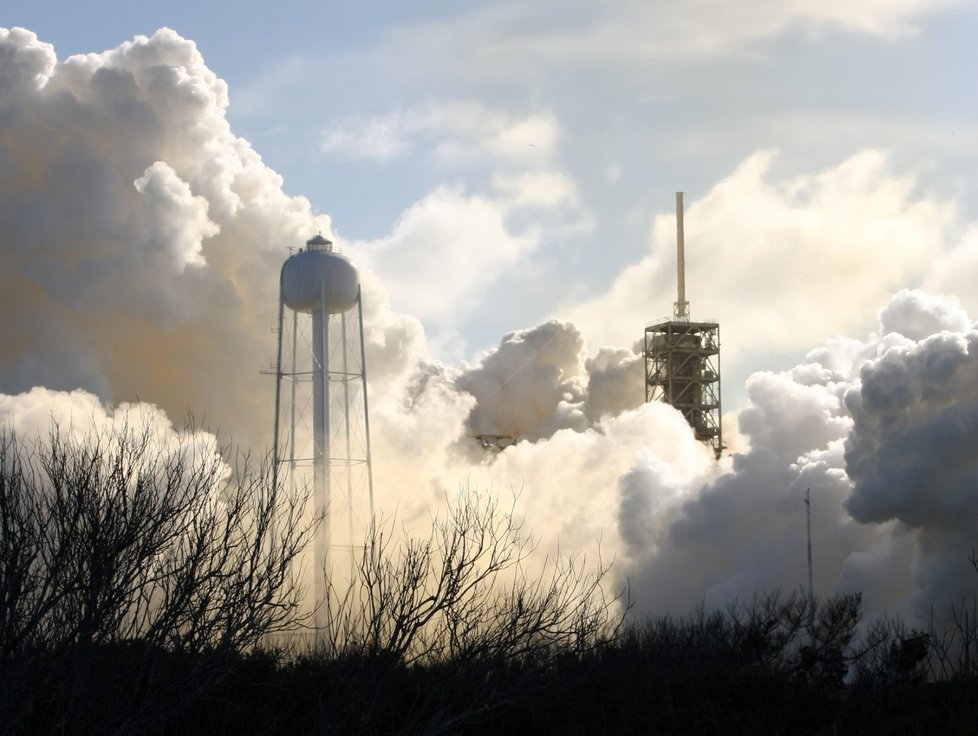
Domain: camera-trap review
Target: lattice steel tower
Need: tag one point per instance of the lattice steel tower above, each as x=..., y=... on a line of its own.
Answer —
x=682, y=359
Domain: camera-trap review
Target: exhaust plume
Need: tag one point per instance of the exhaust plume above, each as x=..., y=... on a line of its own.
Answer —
x=144, y=240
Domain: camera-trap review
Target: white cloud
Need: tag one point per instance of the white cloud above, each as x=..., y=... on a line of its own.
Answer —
x=537, y=189
x=782, y=263
x=514, y=38
x=873, y=17
x=143, y=238
x=444, y=253
x=511, y=141
x=79, y=416
x=379, y=138
x=24, y=61
x=453, y=132
x=956, y=271
x=176, y=221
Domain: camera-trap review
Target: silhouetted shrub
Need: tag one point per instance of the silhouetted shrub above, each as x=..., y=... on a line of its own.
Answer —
x=141, y=583
x=130, y=565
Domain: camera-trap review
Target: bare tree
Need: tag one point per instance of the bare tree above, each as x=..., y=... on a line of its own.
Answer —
x=463, y=601
x=123, y=539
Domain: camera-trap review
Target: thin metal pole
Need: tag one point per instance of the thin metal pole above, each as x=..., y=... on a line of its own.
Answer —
x=808, y=513
x=648, y=378
x=682, y=309
x=366, y=413
x=295, y=334
x=349, y=451
x=273, y=527
x=327, y=424
x=278, y=389
x=719, y=395
x=811, y=586
x=321, y=455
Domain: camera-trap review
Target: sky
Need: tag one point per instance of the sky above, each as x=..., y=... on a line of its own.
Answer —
x=504, y=175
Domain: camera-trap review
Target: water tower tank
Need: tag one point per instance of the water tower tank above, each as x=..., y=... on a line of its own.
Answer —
x=318, y=276
x=321, y=370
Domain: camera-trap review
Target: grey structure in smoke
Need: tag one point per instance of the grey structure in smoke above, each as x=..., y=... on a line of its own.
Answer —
x=322, y=369
x=682, y=359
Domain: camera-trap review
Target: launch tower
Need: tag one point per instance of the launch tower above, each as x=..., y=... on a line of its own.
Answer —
x=682, y=359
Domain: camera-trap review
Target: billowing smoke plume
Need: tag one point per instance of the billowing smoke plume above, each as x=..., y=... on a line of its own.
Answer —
x=141, y=240
x=880, y=431
x=140, y=243
x=78, y=417
x=913, y=452
x=540, y=380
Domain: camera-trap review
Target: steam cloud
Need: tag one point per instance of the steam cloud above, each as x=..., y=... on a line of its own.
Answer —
x=141, y=242
x=141, y=237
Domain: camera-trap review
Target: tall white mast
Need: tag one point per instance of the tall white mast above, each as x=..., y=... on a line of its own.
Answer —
x=681, y=307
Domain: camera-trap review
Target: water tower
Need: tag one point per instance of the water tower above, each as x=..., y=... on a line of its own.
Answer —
x=682, y=359
x=322, y=429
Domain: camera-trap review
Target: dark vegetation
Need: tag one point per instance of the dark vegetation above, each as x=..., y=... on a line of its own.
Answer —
x=147, y=588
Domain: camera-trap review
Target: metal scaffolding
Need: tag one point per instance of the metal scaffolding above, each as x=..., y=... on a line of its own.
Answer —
x=682, y=368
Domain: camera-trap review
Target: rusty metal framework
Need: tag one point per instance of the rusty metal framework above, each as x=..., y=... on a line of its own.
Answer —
x=682, y=368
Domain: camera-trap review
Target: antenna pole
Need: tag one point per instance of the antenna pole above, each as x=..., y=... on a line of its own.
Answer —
x=808, y=513
x=681, y=306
